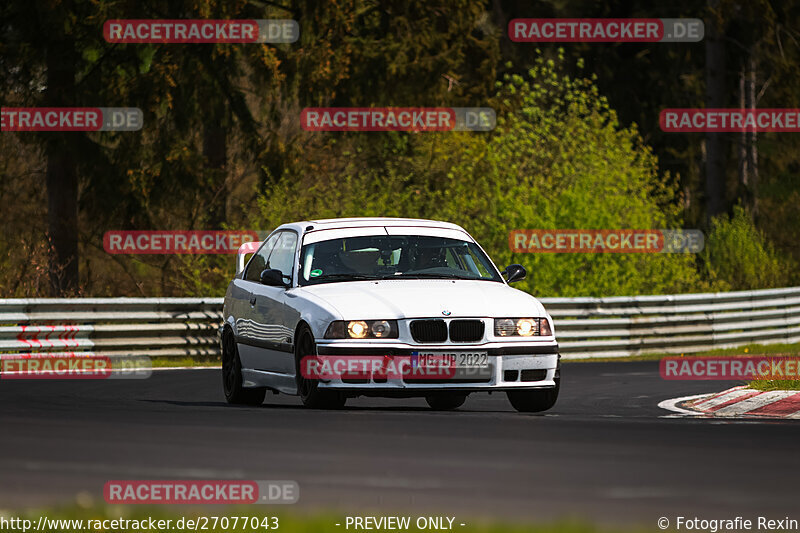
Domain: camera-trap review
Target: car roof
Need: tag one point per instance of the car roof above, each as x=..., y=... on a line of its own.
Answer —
x=361, y=222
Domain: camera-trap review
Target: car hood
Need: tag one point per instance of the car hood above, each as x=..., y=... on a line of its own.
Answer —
x=355, y=300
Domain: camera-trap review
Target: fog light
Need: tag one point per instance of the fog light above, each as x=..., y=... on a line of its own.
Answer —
x=357, y=329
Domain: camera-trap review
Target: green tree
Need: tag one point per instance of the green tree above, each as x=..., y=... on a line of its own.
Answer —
x=737, y=256
x=558, y=159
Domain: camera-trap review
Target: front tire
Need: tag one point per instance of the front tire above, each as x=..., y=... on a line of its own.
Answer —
x=536, y=401
x=308, y=389
x=232, y=381
x=445, y=402
x=533, y=401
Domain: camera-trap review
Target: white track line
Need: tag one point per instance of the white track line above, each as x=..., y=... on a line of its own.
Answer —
x=112, y=370
x=186, y=368
x=672, y=404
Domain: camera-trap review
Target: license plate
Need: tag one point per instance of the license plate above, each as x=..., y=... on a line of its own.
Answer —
x=458, y=360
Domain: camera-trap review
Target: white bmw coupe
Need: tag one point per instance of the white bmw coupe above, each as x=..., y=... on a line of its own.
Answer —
x=333, y=309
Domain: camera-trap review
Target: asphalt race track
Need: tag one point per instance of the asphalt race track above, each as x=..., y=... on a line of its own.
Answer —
x=606, y=452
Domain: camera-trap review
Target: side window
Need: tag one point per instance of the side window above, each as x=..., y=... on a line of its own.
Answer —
x=259, y=261
x=282, y=257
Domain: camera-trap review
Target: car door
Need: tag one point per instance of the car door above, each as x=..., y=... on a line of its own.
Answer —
x=248, y=326
x=272, y=334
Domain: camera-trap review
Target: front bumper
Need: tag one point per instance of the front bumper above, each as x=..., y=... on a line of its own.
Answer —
x=512, y=366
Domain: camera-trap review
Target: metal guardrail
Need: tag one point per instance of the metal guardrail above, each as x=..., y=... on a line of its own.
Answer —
x=585, y=327
x=111, y=326
x=684, y=323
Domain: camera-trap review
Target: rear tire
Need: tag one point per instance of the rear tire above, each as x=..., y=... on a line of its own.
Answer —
x=445, y=402
x=308, y=389
x=232, y=381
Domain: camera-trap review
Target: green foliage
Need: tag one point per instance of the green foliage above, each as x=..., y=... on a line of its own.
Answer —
x=737, y=256
x=561, y=157
x=204, y=275
x=775, y=384
x=558, y=159
x=364, y=194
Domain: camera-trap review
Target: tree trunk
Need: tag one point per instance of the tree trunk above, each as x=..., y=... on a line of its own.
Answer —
x=752, y=154
x=715, y=98
x=215, y=146
x=743, y=135
x=61, y=173
x=215, y=154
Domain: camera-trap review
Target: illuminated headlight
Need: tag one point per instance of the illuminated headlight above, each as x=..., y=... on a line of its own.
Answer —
x=527, y=327
x=522, y=327
x=362, y=329
x=357, y=329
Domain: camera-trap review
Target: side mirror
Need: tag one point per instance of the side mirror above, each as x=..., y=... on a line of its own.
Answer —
x=514, y=273
x=273, y=277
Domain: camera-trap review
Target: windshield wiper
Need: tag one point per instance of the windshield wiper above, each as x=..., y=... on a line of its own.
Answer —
x=345, y=277
x=429, y=275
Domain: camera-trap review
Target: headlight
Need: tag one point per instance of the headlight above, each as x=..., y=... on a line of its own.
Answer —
x=362, y=329
x=522, y=327
x=503, y=327
x=527, y=327
x=357, y=329
x=381, y=328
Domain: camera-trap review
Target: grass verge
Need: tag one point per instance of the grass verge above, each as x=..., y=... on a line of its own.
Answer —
x=749, y=350
x=168, y=362
x=783, y=350
x=287, y=522
x=775, y=384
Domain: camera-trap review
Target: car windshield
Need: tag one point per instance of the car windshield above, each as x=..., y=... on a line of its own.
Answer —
x=394, y=257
